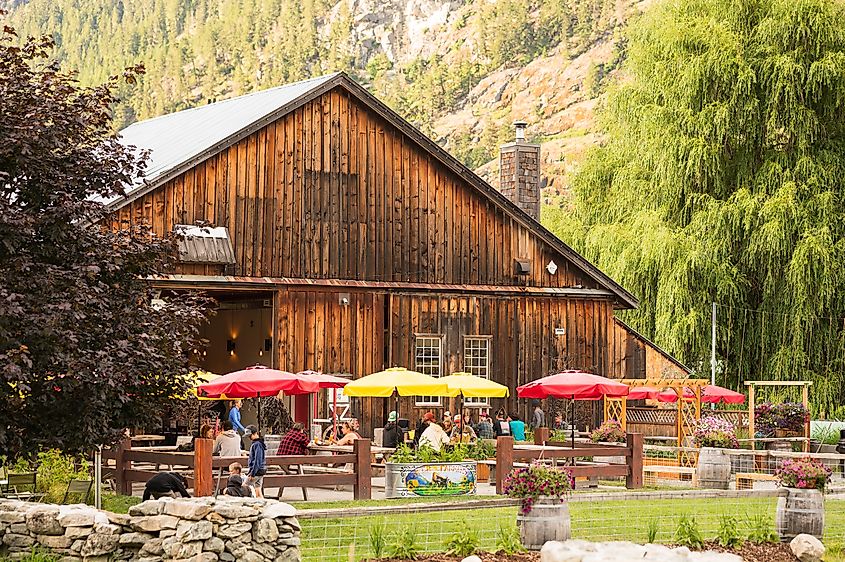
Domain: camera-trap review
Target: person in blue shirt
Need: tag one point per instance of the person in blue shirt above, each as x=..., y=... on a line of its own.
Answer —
x=235, y=417
x=256, y=462
x=517, y=427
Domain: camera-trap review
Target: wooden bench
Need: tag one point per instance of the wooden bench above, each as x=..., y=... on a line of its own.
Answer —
x=745, y=480
x=651, y=473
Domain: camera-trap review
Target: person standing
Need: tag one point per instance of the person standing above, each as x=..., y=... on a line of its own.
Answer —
x=257, y=465
x=235, y=417
x=539, y=418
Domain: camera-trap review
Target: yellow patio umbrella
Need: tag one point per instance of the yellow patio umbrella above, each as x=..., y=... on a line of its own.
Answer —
x=396, y=379
x=467, y=385
x=399, y=380
x=202, y=377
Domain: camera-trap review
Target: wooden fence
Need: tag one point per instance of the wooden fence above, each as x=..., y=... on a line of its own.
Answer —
x=200, y=466
x=660, y=422
x=507, y=454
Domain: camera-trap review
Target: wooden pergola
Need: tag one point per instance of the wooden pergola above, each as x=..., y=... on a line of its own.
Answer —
x=689, y=411
x=805, y=400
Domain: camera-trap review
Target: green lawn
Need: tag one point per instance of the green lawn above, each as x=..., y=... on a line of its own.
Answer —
x=332, y=539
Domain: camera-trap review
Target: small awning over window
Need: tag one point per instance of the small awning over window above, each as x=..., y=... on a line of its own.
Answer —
x=205, y=244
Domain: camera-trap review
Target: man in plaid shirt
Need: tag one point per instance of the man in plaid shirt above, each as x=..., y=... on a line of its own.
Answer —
x=294, y=442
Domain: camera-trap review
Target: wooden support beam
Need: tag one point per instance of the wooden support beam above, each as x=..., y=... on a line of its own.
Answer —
x=504, y=461
x=363, y=476
x=635, y=461
x=122, y=464
x=203, y=479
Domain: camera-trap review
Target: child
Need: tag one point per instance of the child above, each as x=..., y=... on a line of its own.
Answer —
x=235, y=485
x=256, y=463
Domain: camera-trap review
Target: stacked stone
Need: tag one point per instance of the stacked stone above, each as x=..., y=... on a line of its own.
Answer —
x=196, y=529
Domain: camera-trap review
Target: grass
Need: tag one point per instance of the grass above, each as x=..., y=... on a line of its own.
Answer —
x=119, y=504
x=330, y=539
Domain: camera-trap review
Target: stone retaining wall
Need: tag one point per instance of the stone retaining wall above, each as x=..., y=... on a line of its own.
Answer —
x=199, y=529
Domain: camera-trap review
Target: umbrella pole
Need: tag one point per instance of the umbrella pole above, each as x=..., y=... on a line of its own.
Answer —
x=259, y=413
x=334, y=414
x=199, y=416
x=572, y=421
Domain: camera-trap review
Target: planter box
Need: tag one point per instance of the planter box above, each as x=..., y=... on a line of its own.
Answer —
x=410, y=480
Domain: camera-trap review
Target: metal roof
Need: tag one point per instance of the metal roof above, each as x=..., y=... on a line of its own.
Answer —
x=178, y=138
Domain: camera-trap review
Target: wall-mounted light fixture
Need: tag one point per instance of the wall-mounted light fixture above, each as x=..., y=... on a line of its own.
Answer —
x=268, y=344
x=343, y=299
x=230, y=346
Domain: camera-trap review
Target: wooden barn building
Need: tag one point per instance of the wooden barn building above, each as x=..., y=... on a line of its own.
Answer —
x=344, y=240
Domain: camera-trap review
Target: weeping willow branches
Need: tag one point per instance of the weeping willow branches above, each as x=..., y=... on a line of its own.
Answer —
x=721, y=179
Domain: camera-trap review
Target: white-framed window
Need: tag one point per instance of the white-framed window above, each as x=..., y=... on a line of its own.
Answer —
x=477, y=362
x=428, y=360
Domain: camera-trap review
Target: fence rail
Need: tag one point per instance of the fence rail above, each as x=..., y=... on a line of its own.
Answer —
x=198, y=468
x=632, y=470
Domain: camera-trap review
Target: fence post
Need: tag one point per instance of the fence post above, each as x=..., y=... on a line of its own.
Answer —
x=203, y=479
x=504, y=461
x=363, y=473
x=635, y=461
x=124, y=487
x=541, y=435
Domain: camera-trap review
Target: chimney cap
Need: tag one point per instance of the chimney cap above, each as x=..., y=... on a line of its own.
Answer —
x=520, y=126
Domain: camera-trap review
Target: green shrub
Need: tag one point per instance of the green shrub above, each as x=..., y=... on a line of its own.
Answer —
x=378, y=538
x=508, y=540
x=54, y=470
x=37, y=555
x=728, y=535
x=688, y=533
x=463, y=544
x=651, y=531
x=760, y=529
x=405, y=545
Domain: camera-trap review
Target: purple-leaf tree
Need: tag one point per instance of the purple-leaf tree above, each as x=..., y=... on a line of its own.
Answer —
x=83, y=353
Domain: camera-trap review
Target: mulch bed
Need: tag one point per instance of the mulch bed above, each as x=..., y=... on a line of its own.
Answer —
x=749, y=552
x=779, y=552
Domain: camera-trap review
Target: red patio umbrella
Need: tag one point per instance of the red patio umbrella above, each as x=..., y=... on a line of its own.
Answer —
x=255, y=382
x=714, y=394
x=671, y=395
x=643, y=393
x=574, y=385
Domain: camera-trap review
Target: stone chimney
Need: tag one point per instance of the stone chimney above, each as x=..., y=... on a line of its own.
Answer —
x=519, y=172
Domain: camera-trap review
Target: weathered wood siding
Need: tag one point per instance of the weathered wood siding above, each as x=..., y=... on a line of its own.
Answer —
x=331, y=190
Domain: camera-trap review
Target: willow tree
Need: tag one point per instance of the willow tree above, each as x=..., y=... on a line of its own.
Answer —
x=721, y=180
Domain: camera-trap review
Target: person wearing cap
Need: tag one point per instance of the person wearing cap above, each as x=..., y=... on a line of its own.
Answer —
x=257, y=465
x=484, y=428
x=447, y=416
x=463, y=433
x=434, y=436
x=390, y=437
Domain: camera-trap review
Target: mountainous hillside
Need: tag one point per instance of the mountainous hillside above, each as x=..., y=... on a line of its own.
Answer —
x=461, y=70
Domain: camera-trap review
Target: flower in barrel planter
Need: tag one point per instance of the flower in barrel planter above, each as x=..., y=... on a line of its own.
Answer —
x=609, y=432
x=805, y=474
x=530, y=483
x=711, y=431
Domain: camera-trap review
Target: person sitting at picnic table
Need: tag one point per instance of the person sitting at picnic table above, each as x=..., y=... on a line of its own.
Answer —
x=391, y=436
x=539, y=419
x=517, y=427
x=166, y=485
x=434, y=436
x=484, y=428
x=558, y=424
x=235, y=484
x=256, y=463
x=501, y=427
x=294, y=442
x=228, y=443
x=463, y=433
x=349, y=434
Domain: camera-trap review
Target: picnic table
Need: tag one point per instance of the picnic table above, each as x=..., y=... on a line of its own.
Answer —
x=147, y=438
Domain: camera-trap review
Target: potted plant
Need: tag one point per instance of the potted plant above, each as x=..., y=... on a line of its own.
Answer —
x=609, y=432
x=801, y=509
x=544, y=514
x=426, y=472
x=480, y=451
x=714, y=435
x=786, y=419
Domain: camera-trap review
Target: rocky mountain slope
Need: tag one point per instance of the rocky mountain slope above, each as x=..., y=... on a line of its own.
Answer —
x=461, y=70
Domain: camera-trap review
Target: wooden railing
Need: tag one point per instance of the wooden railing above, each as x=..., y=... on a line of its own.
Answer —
x=507, y=454
x=199, y=467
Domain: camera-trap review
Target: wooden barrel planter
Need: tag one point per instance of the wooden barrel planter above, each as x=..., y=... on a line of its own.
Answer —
x=800, y=511
x=714, y=469
x=548, y=520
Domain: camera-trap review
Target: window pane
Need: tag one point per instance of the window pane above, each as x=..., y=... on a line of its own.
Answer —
x=477, y=362
x=428, y=361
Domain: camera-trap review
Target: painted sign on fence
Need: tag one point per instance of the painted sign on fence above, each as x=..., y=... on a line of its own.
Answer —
x=430, y=479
